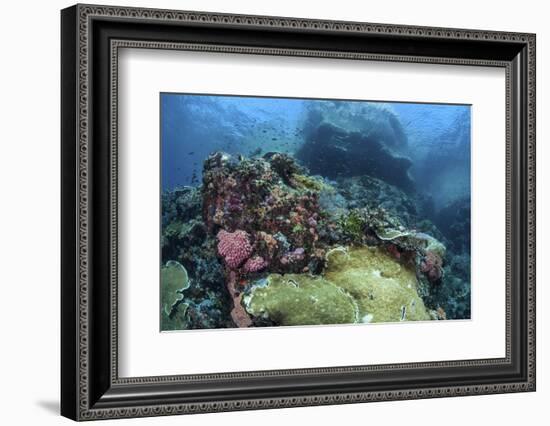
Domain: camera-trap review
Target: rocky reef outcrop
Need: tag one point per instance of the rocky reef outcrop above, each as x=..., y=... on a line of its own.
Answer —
x=355, y=139
x=264, y=213
x=263, y=242
x=374, y=120
x=369, y=192
x=186, y=241
x=334, y=152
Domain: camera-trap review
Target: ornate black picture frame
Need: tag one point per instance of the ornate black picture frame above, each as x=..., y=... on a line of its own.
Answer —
x=91, y=387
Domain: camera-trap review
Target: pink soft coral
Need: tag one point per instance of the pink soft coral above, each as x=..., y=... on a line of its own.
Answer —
x=255, y=264
x=234, y=247
x=431, y=266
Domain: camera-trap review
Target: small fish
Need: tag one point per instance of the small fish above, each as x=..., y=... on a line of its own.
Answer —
x=190, y=152
x=273, y=139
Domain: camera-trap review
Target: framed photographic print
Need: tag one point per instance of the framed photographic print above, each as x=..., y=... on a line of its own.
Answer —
x=263, y=212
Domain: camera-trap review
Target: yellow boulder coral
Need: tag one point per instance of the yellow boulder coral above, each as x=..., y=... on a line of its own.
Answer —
x=362, y=284
x=385, y=290
x=301, y=299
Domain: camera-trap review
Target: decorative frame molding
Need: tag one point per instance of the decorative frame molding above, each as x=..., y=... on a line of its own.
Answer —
x=91, y=388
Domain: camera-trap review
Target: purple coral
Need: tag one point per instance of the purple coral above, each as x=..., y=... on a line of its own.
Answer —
x=234, y=247
x=293, y=256
x=234, y=204
x=255, y=264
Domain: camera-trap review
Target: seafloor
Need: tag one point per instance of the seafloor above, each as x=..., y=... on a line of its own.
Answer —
x=337, y=232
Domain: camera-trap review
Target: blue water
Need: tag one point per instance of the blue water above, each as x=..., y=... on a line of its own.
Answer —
x=193, y=126
x=439, y=137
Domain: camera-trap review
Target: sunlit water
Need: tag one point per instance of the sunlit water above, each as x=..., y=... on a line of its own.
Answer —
x=193, y=126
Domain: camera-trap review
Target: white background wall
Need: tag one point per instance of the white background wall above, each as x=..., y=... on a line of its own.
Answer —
x=29, y=214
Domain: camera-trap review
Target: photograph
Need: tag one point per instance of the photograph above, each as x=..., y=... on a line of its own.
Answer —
x=283, y=211
x=265, y=209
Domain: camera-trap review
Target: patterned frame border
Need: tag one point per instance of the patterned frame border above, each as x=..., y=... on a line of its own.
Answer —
x=87, y=12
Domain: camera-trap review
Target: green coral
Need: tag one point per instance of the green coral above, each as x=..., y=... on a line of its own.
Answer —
x=300, y=299
x=178, y=230
x=173, y=282
x=385, y=290
x=310, y=183
x=173, y=229
x=353, y=225
x=296, y=229
x=360, y=284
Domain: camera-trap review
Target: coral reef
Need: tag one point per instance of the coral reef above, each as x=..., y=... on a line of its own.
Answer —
x=359, y=285
x=185, y=239
x=180, y=205
x=234, y=247
x=256, y=226
x=174, y=281
x=366, y=191
x=432, y=266
x=340, y=214
x=255, y=264
x=262, y=208
x=300, y=299
x=264, y=213
x=384, y=287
